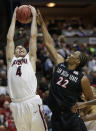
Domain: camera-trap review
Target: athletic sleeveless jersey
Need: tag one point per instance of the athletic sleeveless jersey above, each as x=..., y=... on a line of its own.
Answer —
x=65, y=88
x=22, y=82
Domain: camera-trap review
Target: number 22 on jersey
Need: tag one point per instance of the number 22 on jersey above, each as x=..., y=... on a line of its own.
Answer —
x=18, y=72
x=62, y=82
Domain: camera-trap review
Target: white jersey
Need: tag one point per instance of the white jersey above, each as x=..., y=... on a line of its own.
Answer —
x=22, y=82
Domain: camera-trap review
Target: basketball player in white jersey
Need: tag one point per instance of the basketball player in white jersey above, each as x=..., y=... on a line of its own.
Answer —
x=22, y=82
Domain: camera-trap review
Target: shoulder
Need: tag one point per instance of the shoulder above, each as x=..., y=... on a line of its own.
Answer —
x=9, y=62
x=61, y=65
x=27, y=55
x=84, y=78
x=85, y=81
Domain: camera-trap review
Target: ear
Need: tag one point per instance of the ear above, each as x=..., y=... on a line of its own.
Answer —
x=78, y=61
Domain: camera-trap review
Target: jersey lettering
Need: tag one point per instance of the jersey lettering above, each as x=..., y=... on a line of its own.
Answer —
x=65, y=82
x=20, y=62
x=19, y=73
x=73, y=78
x=60, y=81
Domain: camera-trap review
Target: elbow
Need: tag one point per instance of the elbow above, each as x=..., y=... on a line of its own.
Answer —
x=48, y=42
x=33, y=36
x=9, y=38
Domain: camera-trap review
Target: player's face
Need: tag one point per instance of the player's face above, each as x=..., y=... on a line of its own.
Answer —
x=20, y=51
x=73, y=58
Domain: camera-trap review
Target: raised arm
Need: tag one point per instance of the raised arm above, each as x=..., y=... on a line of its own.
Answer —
x=49, y=42
x=33, y=39
x=10, y=41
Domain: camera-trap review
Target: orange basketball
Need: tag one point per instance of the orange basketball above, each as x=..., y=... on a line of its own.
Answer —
x=23, y=14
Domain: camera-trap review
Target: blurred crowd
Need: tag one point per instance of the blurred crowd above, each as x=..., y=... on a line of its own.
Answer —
x=59, y=31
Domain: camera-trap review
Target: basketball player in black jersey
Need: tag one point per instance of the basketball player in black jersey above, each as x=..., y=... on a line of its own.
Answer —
x=67, y=85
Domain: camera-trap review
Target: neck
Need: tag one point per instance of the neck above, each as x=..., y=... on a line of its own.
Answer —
x=71, y=67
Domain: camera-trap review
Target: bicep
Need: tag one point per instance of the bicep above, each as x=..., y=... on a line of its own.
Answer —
x=32, y=47
x=33, y=63
x=86, y=88
x=32, y=52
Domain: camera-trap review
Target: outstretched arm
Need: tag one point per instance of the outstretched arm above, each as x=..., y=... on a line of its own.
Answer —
x=33, y=39
x=49, y=42
x=10, y=41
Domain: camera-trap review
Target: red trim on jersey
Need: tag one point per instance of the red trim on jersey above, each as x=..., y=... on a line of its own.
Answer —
x=43, y=117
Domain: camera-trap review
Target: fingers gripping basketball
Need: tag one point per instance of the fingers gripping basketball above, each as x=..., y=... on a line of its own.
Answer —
x=23, y=14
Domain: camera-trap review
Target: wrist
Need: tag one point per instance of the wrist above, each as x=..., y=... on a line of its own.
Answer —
x=13, y=20
x=34, y=15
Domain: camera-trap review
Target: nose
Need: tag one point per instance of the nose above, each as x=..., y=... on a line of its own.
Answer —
x=20, y=48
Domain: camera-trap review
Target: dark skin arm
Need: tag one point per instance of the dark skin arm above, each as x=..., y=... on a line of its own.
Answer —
x=87, y=91
x=90, y=117
x=86, y=88
x=48, y=41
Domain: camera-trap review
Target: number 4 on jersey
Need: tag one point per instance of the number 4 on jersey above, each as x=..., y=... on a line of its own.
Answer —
x=19, y=73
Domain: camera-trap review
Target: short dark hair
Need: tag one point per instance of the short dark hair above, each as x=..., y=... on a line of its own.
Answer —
x=18, y=45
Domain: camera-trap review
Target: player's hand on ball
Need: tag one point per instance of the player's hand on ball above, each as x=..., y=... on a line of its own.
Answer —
x=33, y=10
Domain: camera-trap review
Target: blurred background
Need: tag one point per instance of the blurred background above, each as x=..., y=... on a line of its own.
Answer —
x=72, y=25
x=63, y=13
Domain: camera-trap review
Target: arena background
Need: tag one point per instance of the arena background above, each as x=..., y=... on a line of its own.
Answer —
x=86, y=9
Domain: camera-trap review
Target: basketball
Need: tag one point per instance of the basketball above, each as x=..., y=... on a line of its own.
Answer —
x=23, y=14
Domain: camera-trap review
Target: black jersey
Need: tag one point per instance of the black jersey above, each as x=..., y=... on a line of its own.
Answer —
x=65, y=87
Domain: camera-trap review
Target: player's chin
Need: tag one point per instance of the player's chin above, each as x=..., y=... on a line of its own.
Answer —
x=22, y=55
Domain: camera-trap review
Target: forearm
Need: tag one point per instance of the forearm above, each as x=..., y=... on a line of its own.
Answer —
x=10, y=42
x=90, y=117
x=11, y=30
x=34, y=27
x=33, y=37
x=47, y=38
x=49, y=44
x=10, y=36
